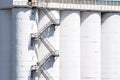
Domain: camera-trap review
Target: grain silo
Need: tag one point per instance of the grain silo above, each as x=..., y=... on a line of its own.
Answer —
x=59, y=39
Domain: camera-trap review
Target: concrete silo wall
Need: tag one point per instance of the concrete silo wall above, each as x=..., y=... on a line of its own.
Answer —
x=21, y=36
x=70, y=45
x=110, y=46
x=5, y=44
x=88, y=48
x=90, y=45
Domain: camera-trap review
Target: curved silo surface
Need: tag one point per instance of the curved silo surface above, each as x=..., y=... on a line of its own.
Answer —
x=90, y=45
x=70, y=45
x=111, y=46
x=5, y=44
x=21, y=35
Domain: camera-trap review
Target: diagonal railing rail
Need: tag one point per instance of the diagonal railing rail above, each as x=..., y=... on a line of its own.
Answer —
x=46, y=74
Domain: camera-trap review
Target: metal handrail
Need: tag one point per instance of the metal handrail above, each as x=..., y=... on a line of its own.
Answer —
x=88, y=2
x=38, y=34
x=20, y=2
x=50, y=15
x=47, y=44
x=44, y=60
x=46, y=74
x=44, y=27
x=93, y=2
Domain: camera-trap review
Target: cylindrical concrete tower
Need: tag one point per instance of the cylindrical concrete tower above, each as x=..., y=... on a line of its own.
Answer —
x=91, y=45
x=70, y=45
x=21, y=36
x=5, y=44
x=111, y=46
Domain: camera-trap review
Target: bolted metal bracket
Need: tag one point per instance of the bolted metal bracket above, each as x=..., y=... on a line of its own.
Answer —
x=34, y=69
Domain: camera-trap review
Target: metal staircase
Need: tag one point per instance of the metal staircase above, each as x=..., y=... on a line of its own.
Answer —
x=46, y=74
x=50, y=15
x=52, y=52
